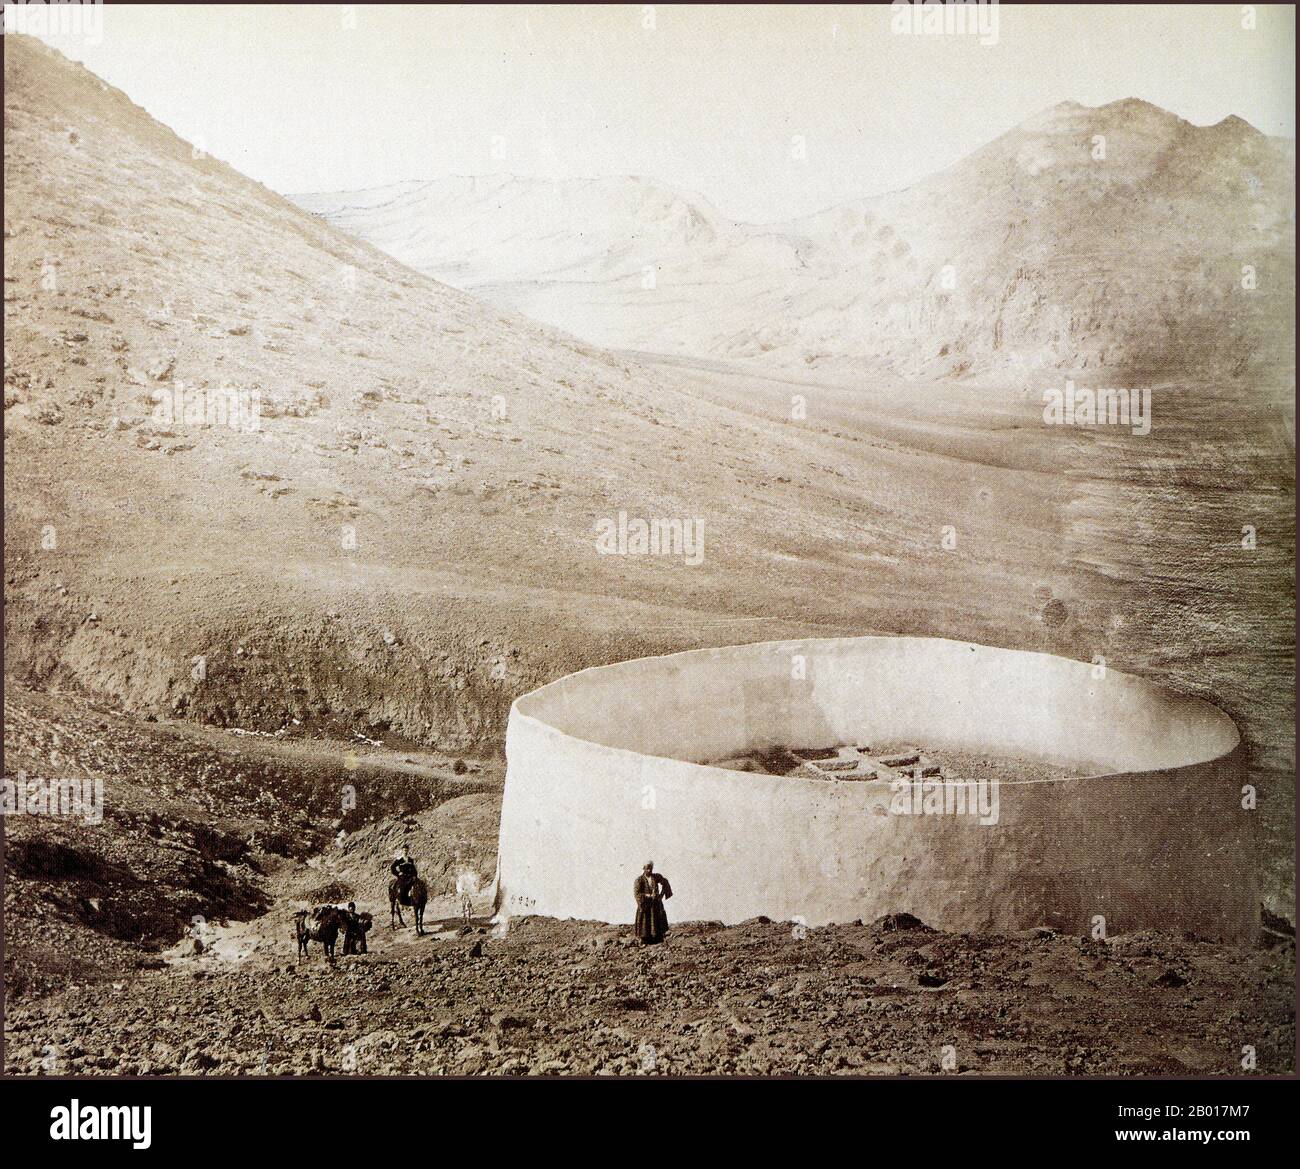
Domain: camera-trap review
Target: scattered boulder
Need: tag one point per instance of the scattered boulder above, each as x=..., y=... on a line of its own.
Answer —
x=898, y=923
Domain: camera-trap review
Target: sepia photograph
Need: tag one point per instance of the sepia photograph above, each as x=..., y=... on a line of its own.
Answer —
x=654, y=542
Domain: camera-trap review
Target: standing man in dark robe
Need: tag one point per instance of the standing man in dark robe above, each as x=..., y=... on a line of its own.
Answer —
x=650, y=890
x=354, y=930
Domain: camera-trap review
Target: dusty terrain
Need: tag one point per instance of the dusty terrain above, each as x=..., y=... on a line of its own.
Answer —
x=235, y=628
x=550, y=997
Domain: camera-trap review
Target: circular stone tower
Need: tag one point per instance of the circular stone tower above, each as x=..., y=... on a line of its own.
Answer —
x=1112, y=797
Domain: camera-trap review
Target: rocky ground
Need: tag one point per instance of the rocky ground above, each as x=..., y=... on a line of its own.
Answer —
x=887, y=998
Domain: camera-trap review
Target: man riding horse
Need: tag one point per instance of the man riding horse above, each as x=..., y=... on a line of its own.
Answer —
x=403, y=868
x=406, y=888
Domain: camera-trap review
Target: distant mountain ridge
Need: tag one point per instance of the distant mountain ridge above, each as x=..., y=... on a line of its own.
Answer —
x=1116, y=237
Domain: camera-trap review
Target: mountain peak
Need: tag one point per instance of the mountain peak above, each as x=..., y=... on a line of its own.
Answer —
x=1237, y=126
x=1126, y=110
x=1134, y=105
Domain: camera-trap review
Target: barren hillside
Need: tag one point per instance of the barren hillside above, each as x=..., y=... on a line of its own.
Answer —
x=408, y=532
x=1085, y=238
x=407, y=539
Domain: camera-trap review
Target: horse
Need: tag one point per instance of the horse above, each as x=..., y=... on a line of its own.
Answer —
x=329, y=922
x=417, y=897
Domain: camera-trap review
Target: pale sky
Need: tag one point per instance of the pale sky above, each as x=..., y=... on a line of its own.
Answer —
x=711, y=100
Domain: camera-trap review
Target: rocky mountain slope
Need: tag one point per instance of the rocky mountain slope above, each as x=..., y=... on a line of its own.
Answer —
x=1111, y=237
x=423, y=472
x=201, y=830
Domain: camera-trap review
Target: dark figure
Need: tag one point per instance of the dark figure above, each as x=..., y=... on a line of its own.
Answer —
x=416, y=895
x=403, y=868
x=355, y=929
x=328, y=920
x=651, y=889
